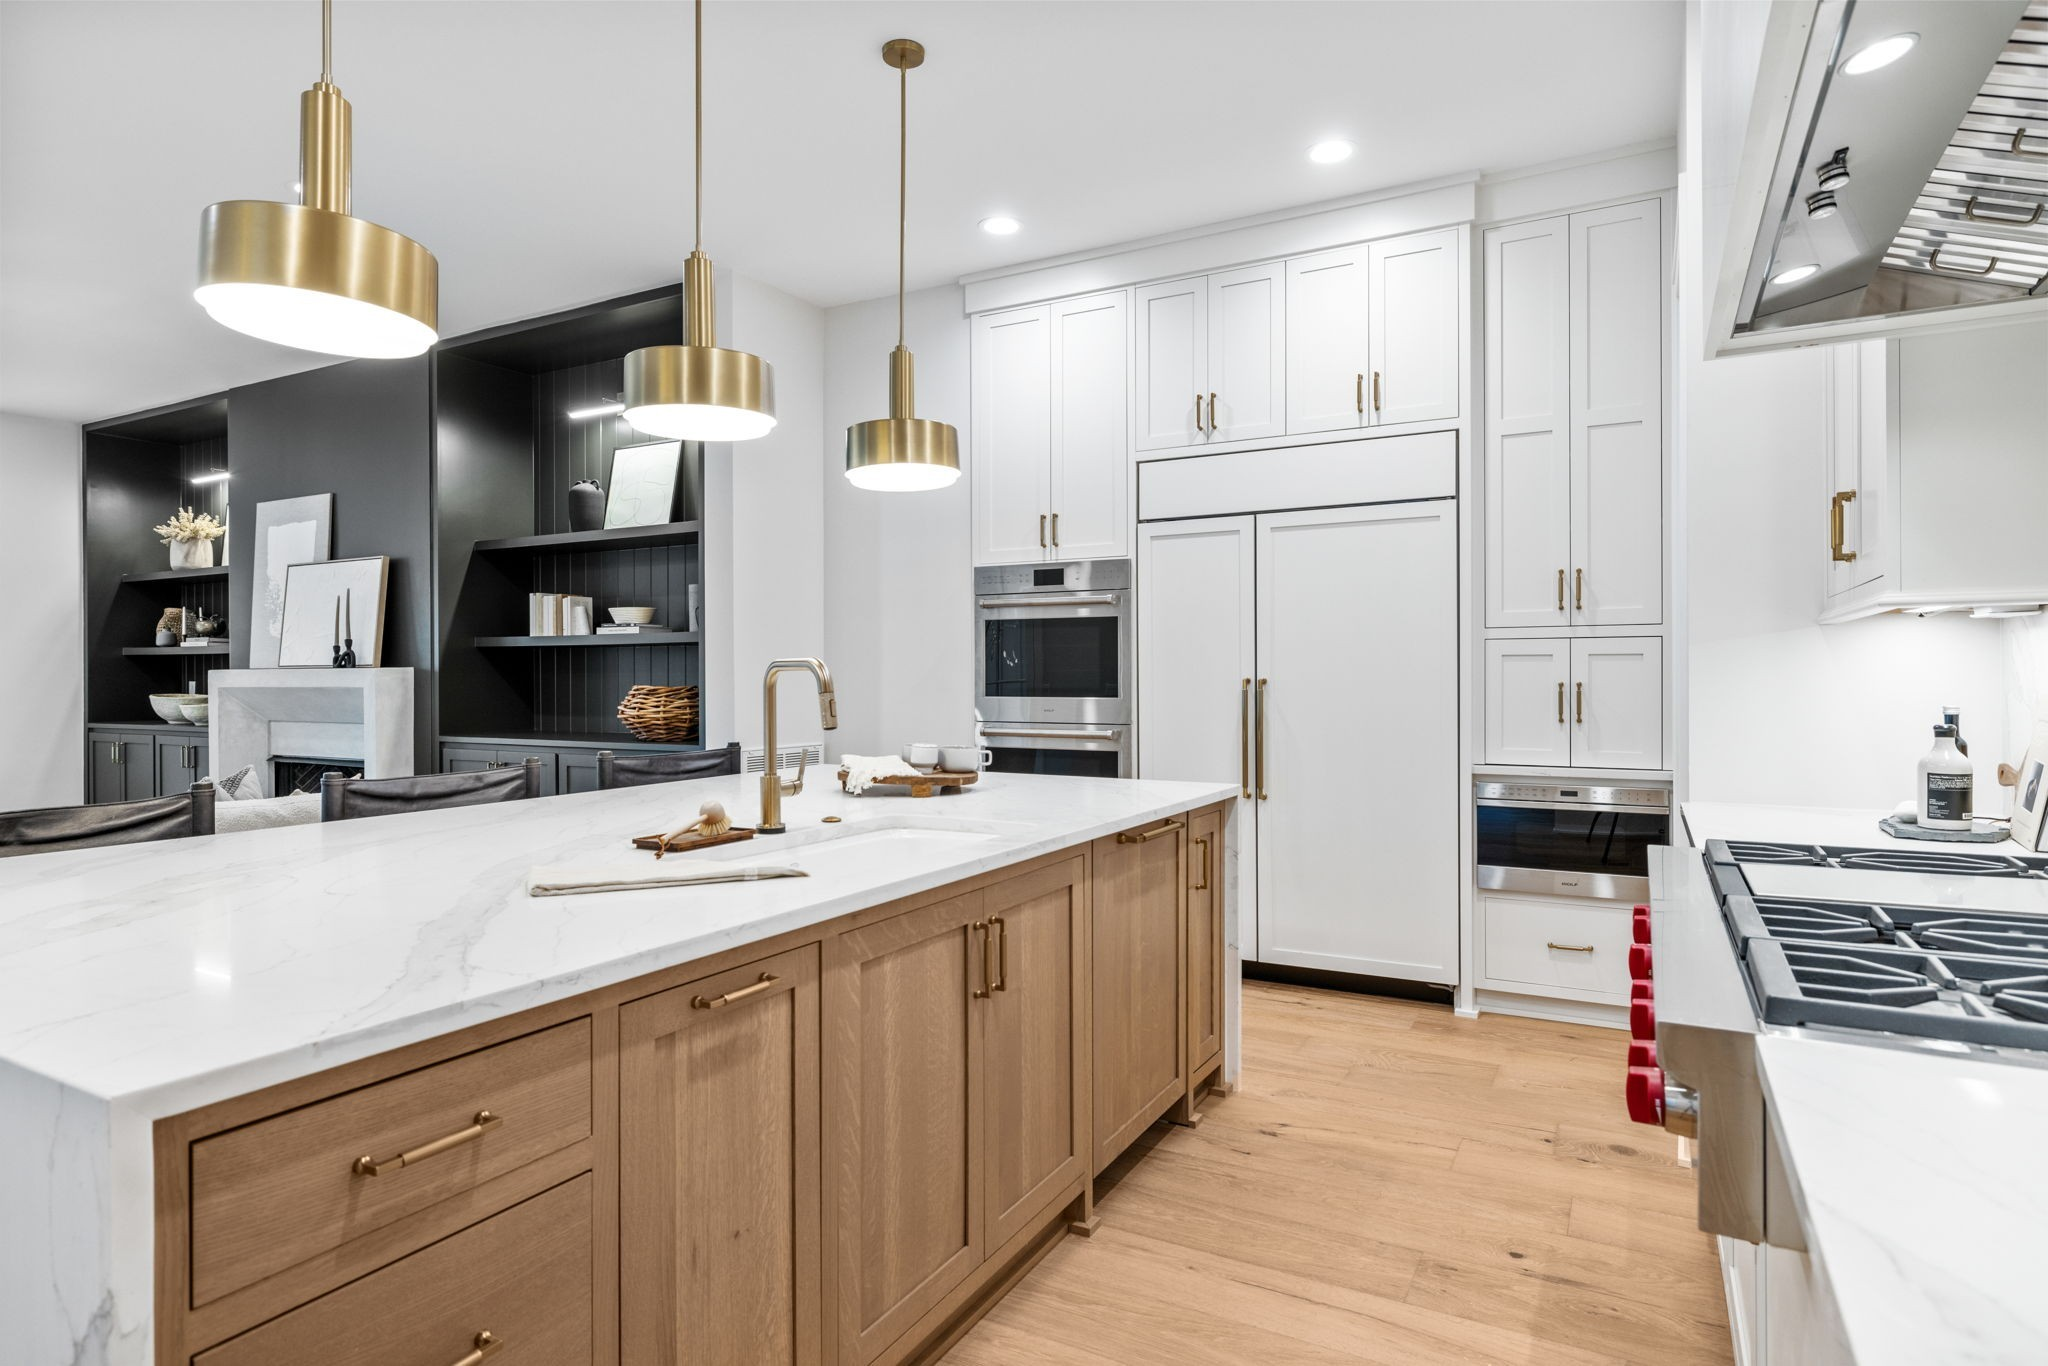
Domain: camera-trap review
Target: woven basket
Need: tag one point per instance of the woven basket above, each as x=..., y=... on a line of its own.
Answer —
x=658, y=714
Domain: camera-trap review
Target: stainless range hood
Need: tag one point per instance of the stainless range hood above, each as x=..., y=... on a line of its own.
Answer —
x=1883, y=199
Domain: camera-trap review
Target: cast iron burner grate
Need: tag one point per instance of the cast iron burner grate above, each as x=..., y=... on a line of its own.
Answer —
x=1999, y=1002
x=1831, y=977
x=1947, y=864
x=1941, y=931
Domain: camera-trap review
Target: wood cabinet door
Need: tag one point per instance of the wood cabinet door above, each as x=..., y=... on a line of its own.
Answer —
x=1034, y=1031
x=719, y=1204
x=905, y=1067
x=1010, y=355
x=1413, y=322
x=1138, y=929
x=1528, y=548
x=1327, y=362
x=1090, y=467
x=1358, y=687
x=1247, y=397
x=1617, y=415
x=1528, y=702
x=1618, y=702
x=1171, y=370
x=1205, y=939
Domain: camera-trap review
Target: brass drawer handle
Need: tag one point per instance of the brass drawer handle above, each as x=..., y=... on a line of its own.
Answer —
x=981, y=992
x=1578, y=590
x=370, y=1166
x=714, y=1002
x=1571, y=948
x=1055, y=531
x=1244, y=737
x=1375, y=391
x=1203, y=885
x=481, y=1346
x=1579, y=702
x=1198, y=414
x=1147, y=836
x=1361, y=394
x=1212, y=414
x=1837, y=529
x=1041, y=531
x=1970, y=212
x=1002, y=932
x=1262, y=740
x=1560, y=701
x=1560, y=590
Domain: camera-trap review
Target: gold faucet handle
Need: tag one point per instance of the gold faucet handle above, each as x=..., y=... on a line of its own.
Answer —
x=792, y=786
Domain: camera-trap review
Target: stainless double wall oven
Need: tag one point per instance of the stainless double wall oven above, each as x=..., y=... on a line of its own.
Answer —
x=1055, y=677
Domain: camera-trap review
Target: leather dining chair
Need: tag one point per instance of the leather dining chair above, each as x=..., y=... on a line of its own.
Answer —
x=640, y=770
x=89, y=827
x=347, y=799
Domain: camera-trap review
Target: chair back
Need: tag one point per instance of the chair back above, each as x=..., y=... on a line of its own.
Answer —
x=640, y=770
x=347, y=799
x=88, y=827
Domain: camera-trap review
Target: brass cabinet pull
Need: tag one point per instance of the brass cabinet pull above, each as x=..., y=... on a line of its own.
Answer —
x=1147, y=836
x=1203, y=885
x=1244, y=737
x=1212, y=414
x=1560, y=590
x=980, y=993
x=714, y=1002
x=1361, y=393
x=1375, y=391
x=1002, y=929
x=1055, y=531
x=1198, y=414
x=481, y=1346
x=1970, y=212
x=1578, y=590
x=2019, y=137
x=485, y=1120
x=1934, y=263
x=1560, y=701
x=1262, y=739
x=1041, y=531
x=1571, y=948
x=1838, y=528
x=1579, y=702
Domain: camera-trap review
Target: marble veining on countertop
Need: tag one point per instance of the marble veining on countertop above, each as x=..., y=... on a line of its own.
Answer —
x=171, y=975
x=1918, y=1176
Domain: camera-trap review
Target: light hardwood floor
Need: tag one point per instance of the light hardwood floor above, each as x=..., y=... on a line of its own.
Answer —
x=1392, y=1185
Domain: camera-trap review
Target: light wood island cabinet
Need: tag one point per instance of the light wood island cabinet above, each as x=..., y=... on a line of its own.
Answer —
x=835, y=1146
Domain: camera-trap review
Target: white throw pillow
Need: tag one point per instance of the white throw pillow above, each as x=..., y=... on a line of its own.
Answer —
x=265, y=813
x=240, y=786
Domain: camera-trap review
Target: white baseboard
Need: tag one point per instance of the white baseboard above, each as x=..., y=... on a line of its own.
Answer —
x=1546, y=1008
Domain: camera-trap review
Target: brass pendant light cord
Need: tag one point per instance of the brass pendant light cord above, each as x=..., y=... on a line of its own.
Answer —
x=902, y=185
x=698, y=44
x=327, y=42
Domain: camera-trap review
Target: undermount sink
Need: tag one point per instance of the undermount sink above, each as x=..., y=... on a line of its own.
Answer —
x=901, y=838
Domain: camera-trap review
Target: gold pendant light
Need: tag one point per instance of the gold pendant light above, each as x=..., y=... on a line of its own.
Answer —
x=308, y=274
x=699, y=391
x=901, y=453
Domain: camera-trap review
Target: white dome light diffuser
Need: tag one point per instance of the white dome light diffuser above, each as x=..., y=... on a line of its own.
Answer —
x=1000, y=225
x=1330, y=152
x=1792, y=275
x=699, y=391
x=1881, y=53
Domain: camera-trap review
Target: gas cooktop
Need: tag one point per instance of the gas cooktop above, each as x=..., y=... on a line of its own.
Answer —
x=1936, y=862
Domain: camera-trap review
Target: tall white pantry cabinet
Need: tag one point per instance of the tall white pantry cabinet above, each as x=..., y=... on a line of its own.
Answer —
x=1574, y=489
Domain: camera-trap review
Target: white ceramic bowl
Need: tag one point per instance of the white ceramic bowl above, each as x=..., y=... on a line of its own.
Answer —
x=195, y=712
x=168, y=705
x=631, y=616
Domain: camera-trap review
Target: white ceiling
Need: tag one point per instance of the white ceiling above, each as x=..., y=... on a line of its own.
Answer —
x=541, y=149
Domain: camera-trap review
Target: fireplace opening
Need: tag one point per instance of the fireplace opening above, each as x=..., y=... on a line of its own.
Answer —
x=292, y=773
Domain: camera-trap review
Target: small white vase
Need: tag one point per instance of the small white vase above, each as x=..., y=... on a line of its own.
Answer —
x=192, y=554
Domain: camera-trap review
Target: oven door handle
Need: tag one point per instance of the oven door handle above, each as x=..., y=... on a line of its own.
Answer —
x=1501, y=803
x=1064, y=600
x=1005, y=733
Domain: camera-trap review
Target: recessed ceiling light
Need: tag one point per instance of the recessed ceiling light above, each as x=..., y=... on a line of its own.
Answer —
x=1000, y=225
x=1792, y=275
x=1331, y=152
x=1883, y=52
x=595, y=410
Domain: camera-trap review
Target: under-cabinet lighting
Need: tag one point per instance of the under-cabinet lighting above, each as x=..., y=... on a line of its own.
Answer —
x=1000, y=225
x=1881, y=53
x=210, y=477
x=2001, y=613
x=1792, y=275
x=1330, y=152
x=596, y=410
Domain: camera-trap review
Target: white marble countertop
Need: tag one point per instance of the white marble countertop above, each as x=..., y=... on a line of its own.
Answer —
x=1850, y=826
x=1919, y=1182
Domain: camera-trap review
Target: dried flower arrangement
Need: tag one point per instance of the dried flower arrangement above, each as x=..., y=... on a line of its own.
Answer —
x=188, y=526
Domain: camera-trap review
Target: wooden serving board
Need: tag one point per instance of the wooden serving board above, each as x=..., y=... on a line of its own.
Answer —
x=689, y=842
x=924, y=784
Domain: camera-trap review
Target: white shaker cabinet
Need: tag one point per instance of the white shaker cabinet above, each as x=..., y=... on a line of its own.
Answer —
x=1583, y=702
x=1328, y=363
x=1413, y=329
x=1574, y=432
x=1856, y=466
x=1048, y=455
x=1247, y=383
x=1527, y=716
x=1172, y=365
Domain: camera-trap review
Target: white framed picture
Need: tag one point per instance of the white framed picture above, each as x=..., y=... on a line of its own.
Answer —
x=643, y=487
x=2030, y=800
x=328, y=605
x=289, y=531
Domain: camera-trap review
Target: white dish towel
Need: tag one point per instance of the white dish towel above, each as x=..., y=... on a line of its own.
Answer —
x=863, y=770
x=572, y=881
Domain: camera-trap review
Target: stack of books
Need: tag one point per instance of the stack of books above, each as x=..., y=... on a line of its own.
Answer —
x=559, y=614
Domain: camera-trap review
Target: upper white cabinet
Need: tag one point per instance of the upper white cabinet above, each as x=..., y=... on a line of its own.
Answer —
x=1050, y=469
x=1172, y=365
x=1585, y=702
x=1328, y=361
x=1937, y=456
x=1247, y=383
x=1412, y=313
x=1574, y=445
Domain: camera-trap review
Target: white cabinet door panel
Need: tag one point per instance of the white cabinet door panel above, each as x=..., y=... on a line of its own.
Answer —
x=1172, y=353
x=1617, y=439
x=1527, y=686
x=1414, y=328
x=1617, y=702
x=1327, y=366
x=1358, y=832
x=1011, y=443
x=1196, y=644
x=1248, y=353
x=1528, y=404
x=1090, y=473
x=1856, y=460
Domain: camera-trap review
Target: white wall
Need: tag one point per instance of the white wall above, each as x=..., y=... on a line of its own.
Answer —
x=899, y=613
x=2026, y=682
x=42, y=665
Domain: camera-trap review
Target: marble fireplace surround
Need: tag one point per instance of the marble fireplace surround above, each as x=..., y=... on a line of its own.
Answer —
x=254, y=715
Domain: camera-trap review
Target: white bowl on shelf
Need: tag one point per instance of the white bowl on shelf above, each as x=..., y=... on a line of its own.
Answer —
x=195, y=712
x=169, y=705
x=631, y=616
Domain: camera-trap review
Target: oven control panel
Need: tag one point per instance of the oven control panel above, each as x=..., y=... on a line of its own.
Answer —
x=1573, y=794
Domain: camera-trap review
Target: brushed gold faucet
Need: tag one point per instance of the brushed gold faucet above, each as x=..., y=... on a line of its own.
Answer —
x=773, y=787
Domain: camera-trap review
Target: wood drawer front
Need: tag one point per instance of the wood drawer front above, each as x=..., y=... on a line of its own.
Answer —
x=524, y=1276
x=272, y=1194
x=1521, y=932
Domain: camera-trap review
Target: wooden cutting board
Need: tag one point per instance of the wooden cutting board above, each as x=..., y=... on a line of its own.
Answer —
x=924, y=784
x=689, y=842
